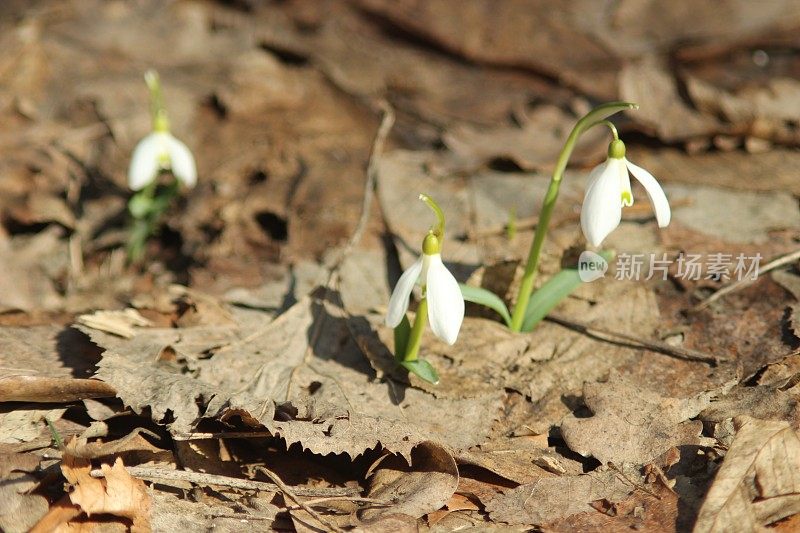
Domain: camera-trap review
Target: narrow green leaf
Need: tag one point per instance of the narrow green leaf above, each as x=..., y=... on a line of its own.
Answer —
x=552, y=292
x=423, y=369
x=401, y=333
x=549, y=295
x=486, y=298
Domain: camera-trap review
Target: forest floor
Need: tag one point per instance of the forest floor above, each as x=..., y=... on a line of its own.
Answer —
x=241, y=377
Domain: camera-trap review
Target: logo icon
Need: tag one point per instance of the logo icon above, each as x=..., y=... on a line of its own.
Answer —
x=591, y=266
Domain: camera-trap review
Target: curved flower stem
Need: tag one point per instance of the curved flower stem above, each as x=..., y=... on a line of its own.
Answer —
x=157, y=110
x=437, y=230
x=610, y=126
x=415, y=337
x=596, y=116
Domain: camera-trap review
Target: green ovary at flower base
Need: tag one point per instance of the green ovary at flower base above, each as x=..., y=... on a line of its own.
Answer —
x=159, y=151
x=442, y=304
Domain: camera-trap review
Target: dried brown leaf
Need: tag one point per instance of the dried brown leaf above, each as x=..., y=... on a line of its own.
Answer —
x=549, y=499
x=632, y=424
x=27, y=264
x=19, y=509
x=457, y=502
x=23, y=423
x=718, y=212
x=519, y=459
x=650, y=84
x=762, y=464
x=641, y=511
x=768, y=172
x=578, y=41
x=420, y=488
x=535, y=145
x=300, y=376
x=117, y=493
x=764, y=402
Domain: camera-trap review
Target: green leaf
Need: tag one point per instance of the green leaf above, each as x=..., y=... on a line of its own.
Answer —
x=486, y=298
x=552, y=292
x=423, y=369
x=401, y=333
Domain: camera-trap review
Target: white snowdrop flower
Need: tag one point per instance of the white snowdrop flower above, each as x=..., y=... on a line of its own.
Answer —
x=445, y=302
x=609, y=190
x=161, y=151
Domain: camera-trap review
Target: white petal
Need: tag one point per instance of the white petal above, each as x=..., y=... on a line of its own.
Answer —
x=602, y=209
x=182, y=162
x=445, y=302
x=655, y=192
x=144, y=162
x=398, y=303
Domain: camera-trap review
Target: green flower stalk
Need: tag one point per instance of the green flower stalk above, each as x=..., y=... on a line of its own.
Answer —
x=593, y=118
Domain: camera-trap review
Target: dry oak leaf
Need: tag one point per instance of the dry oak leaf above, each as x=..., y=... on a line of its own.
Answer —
x=548, y=499
x=776, y=401
x=301, y=376
x=631, y=424
x=416, y=490
x=117, y=493
x=758, y=482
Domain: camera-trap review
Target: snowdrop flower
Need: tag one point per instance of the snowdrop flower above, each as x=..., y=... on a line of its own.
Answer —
x=609, y=190
x=160, y=150
x=445, y=303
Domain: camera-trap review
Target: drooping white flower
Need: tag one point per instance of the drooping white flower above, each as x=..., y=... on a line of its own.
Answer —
x=609, y=190
x=161, y=151
x=445, y=302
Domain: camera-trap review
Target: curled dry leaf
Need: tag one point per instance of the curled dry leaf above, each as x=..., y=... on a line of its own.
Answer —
x=117, y=493
x=632, y=424
x=758, y=482
x=519, y=459
x=416, y=490
x=118, y=322
x=41, y=389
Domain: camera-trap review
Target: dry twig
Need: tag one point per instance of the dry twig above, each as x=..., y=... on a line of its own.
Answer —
x=290, y=493
x=166, y=475
x=742, y=283
x=623, y=338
